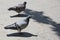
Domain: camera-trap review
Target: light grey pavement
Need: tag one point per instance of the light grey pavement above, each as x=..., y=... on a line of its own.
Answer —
x=45, y=23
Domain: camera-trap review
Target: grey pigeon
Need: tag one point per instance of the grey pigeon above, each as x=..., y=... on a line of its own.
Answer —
x=19, y=8
x=20, y=24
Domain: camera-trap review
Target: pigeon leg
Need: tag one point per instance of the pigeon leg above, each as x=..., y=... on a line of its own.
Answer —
x=19, y=30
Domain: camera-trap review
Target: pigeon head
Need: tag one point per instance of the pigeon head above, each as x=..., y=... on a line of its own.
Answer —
x=25, y=3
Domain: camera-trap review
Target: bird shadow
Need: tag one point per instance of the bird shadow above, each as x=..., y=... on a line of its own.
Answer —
x=22, y=34
x=56, y=28
x=41, y=18
x=37, y=16
x=19, y=15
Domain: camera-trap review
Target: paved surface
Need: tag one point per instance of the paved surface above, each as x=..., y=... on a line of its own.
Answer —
x=43, y=26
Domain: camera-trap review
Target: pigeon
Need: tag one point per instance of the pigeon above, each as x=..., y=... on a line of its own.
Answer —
x=22, y=24
x=19, y=8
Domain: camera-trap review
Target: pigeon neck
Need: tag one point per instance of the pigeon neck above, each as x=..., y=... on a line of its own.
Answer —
x=24, y=5
x=27, y=19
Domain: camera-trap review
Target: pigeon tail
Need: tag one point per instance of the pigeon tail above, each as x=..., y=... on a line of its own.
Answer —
x=11, y=9
x=10, y=26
